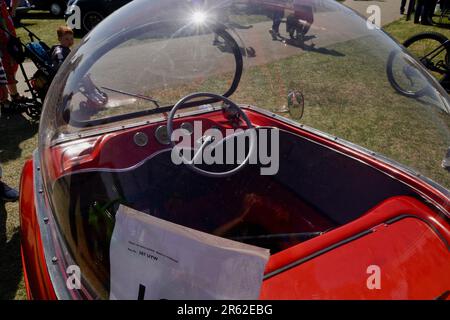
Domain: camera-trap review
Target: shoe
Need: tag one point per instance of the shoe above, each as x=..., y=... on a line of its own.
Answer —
x=7, y=193
x=216, y=42
x=274, y=34
x=426, y=22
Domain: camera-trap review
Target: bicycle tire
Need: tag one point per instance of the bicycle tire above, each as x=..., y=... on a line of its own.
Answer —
x=418, y=37
x=429, y=35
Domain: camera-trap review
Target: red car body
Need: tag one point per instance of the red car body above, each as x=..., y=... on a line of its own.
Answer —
x=314, y=269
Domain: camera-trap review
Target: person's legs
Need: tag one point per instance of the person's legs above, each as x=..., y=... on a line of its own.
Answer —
x=306, y=15
x=419, y=11
x=411, y=5
x=427, y=12
x=3, y=83
x=278, y=16
x=430, y=7
x=11, y=68
x=402, y=7
x=309, y=17
x=9, y=64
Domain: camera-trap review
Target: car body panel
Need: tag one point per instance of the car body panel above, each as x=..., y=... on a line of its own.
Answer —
x=37, y=278
x=377, y=227
x=410, y=248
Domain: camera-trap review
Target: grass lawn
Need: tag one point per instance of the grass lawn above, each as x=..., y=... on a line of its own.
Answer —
x=402, y=29
x=18, y=139
x=44, y=25
x=403, y=118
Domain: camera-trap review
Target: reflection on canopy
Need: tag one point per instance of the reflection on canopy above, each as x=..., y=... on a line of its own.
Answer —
x=149, y=55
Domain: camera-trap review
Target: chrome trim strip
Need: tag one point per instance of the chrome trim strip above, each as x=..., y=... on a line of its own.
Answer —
x=51, y=238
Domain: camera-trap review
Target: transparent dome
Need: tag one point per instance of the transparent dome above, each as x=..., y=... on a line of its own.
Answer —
x=163, y=50
x=145, y=57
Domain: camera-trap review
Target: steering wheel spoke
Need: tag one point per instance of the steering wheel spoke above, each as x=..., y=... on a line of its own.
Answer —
x=207, y=140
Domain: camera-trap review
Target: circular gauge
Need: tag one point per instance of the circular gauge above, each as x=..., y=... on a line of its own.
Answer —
x=140, y=139
x=161, y=135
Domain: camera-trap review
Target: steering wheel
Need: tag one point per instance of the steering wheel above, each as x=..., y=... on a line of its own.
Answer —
x=207, y=140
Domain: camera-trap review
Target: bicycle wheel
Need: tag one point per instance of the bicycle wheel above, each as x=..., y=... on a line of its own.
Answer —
x=404, y=75
x=432, y=50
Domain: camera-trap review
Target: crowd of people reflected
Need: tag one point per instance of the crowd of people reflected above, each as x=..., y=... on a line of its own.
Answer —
x=298, y=22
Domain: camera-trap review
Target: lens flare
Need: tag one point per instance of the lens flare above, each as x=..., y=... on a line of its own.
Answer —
x=199, y=17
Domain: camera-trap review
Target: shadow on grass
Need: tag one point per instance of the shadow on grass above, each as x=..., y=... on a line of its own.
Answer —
x=442, y=25
x=301, y=44
x=10, y=260
x=14, y=129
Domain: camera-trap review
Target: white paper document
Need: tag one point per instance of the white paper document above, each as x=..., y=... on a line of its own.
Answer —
x=156, y=259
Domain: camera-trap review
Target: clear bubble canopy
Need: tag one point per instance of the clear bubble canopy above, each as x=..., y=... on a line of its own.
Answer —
x=152, y=53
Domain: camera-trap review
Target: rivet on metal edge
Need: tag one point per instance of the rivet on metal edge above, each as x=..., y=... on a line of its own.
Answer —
x=54, y=259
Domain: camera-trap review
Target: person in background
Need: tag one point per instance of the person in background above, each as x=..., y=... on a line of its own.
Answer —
x=9, y=64
x=430, y=7
x=402, y=7
x=3, y=86
x=7, y=194
x=420, y=8
x=307, y=8
x=425, y=11
x=276, y=13
x=60, y=52
x=410, y=10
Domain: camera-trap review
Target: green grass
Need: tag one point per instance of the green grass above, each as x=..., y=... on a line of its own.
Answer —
x=402, y=29
x=18, y=139
x=44, y=25
x=354, y=95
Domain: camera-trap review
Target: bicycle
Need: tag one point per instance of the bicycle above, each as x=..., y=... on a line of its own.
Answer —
x=432, y=50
